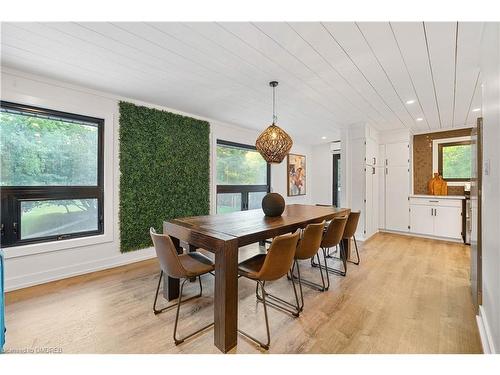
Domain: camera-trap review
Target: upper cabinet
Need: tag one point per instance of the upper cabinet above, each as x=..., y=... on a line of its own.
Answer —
x=397, y=154
x=371, y=152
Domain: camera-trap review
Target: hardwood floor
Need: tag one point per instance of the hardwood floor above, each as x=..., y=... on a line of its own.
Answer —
x=408, y=295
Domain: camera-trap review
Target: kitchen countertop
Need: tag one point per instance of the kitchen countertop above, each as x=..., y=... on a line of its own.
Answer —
x=460, y=197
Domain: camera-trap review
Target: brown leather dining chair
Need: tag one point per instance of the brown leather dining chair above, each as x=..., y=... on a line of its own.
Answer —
x=350, y=230
x=307, y=248
x=269, y=267
x=332, y=238
x=179, y=266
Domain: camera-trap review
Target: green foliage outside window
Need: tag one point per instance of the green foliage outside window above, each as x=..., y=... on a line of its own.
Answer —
x=456, y=161
x=239, y=166
x=46, y=152
x=164, y=171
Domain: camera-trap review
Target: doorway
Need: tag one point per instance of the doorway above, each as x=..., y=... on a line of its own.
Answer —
x=337, y=187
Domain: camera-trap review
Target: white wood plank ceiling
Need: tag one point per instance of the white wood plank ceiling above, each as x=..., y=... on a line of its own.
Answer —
x=414, y=75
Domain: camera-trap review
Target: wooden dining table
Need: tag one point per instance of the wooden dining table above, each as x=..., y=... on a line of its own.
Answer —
x=223, y=235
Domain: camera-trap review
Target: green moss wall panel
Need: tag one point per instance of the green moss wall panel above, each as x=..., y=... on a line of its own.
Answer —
x=164, y=171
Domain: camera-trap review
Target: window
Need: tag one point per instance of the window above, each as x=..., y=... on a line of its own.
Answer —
x=51, y=183
x=243, y=177
x=454, y=161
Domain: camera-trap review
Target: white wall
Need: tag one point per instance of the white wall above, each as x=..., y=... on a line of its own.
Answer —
x=490, y=72
x=34, y=264
x=322, y=172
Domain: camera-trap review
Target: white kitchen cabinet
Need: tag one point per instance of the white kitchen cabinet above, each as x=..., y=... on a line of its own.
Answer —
x=422, y=219
x=371, y=152
x=397, y=154
x=363, y=156
x=448, y=222
x=396, y=198
x=436, y=216
x=395, y=186
x=381, y=189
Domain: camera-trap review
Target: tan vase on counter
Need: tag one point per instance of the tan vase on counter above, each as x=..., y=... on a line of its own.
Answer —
x=437, y=186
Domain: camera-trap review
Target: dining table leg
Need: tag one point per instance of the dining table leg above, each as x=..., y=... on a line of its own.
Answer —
x=226, y=296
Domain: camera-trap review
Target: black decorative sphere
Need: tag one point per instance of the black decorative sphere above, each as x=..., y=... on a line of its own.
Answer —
x=273, y=204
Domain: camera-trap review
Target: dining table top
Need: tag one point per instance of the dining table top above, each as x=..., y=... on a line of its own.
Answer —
x=247, y=225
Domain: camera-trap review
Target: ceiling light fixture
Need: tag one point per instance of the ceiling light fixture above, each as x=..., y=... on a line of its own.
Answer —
x=419, y=119
x=273, y=143
x=476, y=109
x=411, y=101
x=323, y=137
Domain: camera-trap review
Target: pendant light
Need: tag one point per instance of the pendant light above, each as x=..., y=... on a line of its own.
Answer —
x=274, y=143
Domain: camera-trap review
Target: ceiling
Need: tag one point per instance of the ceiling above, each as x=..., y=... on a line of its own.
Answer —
x=331, y=74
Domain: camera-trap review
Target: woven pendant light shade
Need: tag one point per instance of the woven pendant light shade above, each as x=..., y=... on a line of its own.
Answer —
x=274, y=144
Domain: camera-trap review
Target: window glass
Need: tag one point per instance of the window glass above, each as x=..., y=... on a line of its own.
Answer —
x=228, y=202
x=47, y=151
x=240, y=166
x=255, y=199
x=456, y=161
x=57, y=217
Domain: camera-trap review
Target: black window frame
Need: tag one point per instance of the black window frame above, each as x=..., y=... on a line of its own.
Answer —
x=242, y=189
x=12, y=196
x=440, y=159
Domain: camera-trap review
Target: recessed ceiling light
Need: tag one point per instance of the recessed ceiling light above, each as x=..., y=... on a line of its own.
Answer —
x=419, y=119
x=323, y=137
x=411, y=101
x=476, y=109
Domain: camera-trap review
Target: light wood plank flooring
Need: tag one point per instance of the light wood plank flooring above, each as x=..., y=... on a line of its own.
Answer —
x=409, y=295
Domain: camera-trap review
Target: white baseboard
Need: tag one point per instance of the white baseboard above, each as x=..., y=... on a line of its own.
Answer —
x=37, y=278
x=409, y=234
x=485, y=333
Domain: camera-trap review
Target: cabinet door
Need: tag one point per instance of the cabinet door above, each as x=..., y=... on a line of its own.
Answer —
x=371, y=152
x=397, y=154
x=381, y=189
x=422, y=220
x=448, y=222
x=396, y=198
x=370, y=211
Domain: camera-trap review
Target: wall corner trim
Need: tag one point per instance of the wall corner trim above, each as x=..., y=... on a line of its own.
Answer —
x=485, y=333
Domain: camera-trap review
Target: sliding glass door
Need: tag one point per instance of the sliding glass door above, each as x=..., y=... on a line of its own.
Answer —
x=243, y=177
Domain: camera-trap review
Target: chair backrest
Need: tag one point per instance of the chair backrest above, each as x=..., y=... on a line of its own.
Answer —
x=279, y=257
x=167, y=255
x=352, y=224
x=310, y=242
x=334, y=232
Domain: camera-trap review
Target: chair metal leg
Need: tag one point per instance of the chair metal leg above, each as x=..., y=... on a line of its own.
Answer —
x=182, y=339
x=323, y=287
x=281, y=304
x=265, y=346
x=334, y=271
x=357, y=252
x=158, y=311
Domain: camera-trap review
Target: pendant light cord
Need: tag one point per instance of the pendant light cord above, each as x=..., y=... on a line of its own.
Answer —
x=275, y=118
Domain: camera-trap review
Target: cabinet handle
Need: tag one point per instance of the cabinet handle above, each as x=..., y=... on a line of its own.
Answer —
x=386, y=171
x=373, y=170
x=385, y=161
x=374, y=161
x=432, y=211
x=434, y=201
x=435, y=212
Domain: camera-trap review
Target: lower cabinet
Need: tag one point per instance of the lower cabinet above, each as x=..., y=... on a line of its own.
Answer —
x=436, y=217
